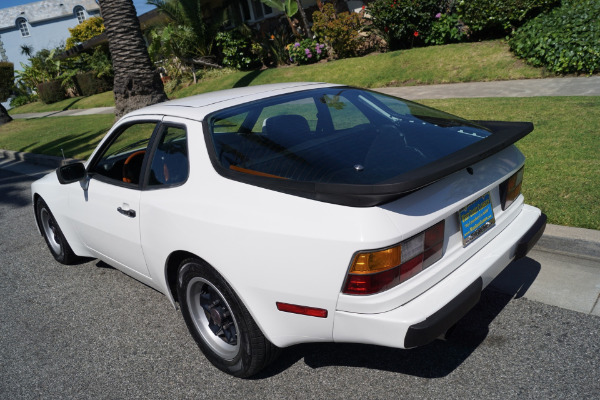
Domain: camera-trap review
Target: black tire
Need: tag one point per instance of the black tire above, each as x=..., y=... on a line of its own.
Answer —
x=220, y=323
x=58, y=245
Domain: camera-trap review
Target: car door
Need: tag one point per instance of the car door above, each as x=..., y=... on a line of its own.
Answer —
x=108, y=209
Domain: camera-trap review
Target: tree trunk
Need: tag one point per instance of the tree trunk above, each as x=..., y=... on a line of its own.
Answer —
x=137, y=83
x=304, y=20
x=4, y=117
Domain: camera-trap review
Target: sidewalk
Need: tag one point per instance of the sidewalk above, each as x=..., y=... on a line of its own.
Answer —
x=583, y=86
x=66, y=113
x=563, y=269
x=580, y=86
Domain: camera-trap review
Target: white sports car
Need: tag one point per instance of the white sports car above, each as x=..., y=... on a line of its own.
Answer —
x=302, y=212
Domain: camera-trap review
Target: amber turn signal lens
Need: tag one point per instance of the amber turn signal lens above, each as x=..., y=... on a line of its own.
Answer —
x=368, y=263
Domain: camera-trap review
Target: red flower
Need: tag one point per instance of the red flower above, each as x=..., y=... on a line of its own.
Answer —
x=416, y=34
x=386, y=29
x=363, y=8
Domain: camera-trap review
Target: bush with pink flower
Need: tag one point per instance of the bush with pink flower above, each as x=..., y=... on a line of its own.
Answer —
x=307, y=51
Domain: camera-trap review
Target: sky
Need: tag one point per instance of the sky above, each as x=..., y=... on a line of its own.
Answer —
x=140, y=5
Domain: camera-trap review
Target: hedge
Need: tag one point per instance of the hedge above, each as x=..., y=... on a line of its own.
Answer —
x=490, y=18
x=565, y=40
x=7, y=78
x=51, y=92
x=88, y=84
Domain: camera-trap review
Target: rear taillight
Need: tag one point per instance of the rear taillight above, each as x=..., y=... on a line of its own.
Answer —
x=376, y=271
x=510, y=189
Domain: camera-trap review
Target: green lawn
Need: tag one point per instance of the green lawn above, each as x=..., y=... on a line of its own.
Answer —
x=105, y=99
x=562, y=171
x=561, y=174
x=464, y=62
x=77, y=136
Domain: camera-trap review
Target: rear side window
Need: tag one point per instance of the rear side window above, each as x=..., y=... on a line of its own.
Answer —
x=169, y=164
x=336, y=135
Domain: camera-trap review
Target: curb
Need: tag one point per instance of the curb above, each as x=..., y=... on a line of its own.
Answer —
x=37, y=159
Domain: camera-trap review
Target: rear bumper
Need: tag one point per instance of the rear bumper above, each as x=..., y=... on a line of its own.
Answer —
x=431, y=314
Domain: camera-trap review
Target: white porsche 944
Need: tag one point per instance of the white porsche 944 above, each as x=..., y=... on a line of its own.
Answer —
x=303, y=212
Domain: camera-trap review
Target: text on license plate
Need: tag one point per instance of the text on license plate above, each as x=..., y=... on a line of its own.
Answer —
x=476, y=218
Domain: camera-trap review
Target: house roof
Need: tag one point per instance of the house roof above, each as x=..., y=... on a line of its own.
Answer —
x=42, y=11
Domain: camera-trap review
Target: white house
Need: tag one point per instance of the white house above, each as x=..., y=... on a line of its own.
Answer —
x=40, y=25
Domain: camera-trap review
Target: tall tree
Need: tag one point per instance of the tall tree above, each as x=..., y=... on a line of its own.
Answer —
x=137, y=83
x=4, y=117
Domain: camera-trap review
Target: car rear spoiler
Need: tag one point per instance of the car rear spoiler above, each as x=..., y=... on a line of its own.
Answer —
x=503, y=135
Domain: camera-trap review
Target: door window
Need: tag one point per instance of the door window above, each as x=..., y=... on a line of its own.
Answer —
x=122, y=160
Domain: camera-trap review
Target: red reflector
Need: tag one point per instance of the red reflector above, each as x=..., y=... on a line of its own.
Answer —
x=303, y=310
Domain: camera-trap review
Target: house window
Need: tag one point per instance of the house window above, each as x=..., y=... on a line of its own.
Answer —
x=22, y=25
x=255, y=10
x=80, y=14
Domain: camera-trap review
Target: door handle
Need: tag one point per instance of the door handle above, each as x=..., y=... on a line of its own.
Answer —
x=129, y=213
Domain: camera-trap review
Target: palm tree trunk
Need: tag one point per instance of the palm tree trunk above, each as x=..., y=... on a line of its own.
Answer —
x=137, y=83
x=4, y=117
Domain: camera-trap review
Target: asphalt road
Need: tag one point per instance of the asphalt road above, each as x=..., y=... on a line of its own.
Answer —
x=89, y=331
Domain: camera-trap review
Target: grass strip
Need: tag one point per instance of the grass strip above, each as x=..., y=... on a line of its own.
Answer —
x=76, y=136
x=105, y=99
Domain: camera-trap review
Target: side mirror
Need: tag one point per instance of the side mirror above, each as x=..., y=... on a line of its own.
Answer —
x=71, y=173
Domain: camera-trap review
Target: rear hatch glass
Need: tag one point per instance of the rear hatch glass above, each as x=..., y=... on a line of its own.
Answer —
x=340, y=143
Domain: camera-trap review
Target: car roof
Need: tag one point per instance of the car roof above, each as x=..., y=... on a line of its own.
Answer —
x=198, y=106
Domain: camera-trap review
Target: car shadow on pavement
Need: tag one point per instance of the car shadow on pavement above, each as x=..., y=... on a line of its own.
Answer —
x=12, y=192
x=435, y=360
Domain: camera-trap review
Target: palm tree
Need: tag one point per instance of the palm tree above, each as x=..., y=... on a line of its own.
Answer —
x=137, y=83
x=7, y=78
x=4, y=117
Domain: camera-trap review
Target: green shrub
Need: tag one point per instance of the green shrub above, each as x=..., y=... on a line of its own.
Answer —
x=447, y=29
x=496, y=18
x=565, y=40
x=340, y=31
x=236, y=50
x=22, y=99
x=307, y=51
x=7, y=78
x=86, y=30
x=51, y=91
x=404, y=23
x=88, y=84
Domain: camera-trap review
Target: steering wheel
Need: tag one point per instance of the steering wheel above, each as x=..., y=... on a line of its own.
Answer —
x=134, y=159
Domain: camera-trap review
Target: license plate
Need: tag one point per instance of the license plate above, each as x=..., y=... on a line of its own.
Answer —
x=476, y=218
